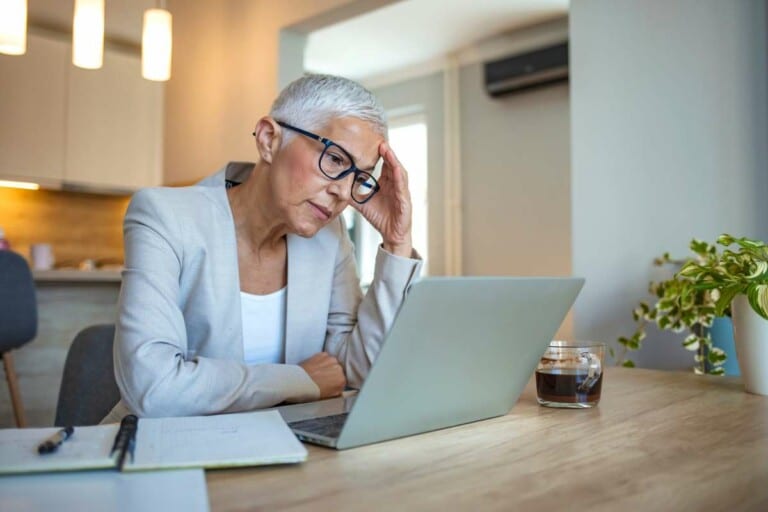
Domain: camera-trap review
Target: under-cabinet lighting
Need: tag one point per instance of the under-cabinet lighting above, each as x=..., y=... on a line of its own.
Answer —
x=19, y=184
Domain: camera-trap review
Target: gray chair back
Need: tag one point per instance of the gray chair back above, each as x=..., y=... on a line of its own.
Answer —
x=88, y=388
x=18, y=302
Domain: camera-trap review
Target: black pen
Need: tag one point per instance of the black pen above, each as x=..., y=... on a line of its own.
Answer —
x=51, y=444
x=125, y=441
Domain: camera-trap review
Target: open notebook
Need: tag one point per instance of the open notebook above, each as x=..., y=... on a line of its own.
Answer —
x=228, y=440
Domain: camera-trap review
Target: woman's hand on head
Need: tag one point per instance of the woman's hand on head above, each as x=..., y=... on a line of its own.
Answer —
x=327, y=373
x=389, y=211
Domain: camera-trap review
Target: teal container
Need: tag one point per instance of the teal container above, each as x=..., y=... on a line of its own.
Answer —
x=722, y=338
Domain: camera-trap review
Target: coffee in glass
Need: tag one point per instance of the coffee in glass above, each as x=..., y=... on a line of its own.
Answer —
x=570, y=374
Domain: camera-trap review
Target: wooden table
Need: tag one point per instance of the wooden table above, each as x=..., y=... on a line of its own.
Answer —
x=658, y=441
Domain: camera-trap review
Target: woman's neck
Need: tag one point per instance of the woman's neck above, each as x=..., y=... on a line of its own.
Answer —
x=256, y=222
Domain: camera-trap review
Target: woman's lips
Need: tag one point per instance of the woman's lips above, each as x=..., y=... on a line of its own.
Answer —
x=321, y=212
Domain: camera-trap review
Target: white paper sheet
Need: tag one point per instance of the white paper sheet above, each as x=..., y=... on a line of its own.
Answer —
x=226, y=440
x=157, y=491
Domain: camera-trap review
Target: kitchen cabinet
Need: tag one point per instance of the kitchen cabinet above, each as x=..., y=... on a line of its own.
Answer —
x=63, y=125
x=33, y=111
x=114, y=125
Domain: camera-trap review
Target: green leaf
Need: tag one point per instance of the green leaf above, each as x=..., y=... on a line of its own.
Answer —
x=691, y=342
x=690, y=269
x=699, y=246
x=628, y=364
x=760, y=269
x=726, y=297
x=758, y=298
x=748, y=243
x=717, y=371
x=717, y=356
x=725, y=240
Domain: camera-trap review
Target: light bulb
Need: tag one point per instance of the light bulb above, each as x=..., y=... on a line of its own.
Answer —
x=156, y=45
x=13, y=27
x=88, y=34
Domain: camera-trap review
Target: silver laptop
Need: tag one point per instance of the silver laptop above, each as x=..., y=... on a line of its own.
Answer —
x=460, y=350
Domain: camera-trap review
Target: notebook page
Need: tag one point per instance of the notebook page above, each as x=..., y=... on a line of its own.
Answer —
x=87, y=448
x=226, y=440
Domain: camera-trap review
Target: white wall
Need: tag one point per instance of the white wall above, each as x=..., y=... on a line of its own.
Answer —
x=668, y=108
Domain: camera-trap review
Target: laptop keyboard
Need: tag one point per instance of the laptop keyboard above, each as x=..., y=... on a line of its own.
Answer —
x=329, y=426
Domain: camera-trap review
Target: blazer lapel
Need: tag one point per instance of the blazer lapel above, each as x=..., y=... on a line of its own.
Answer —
x=310, y=275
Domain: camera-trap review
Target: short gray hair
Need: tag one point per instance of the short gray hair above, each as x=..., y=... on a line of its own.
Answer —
x=313, y=100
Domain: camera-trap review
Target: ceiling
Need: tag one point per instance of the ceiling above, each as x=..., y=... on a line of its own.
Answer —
x=411, y=32
x=399, y=35
x=122, y=18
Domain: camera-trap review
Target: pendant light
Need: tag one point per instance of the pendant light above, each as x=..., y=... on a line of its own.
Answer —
x=156, y=45
x=88, y=34
x=13, y=27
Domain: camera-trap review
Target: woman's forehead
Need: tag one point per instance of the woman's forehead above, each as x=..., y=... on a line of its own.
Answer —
x=359, y=138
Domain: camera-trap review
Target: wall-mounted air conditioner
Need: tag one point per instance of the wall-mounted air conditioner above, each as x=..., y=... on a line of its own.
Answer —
x=526, y=70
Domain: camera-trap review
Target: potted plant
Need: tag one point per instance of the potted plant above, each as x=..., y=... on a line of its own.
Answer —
x=739, y=279
x=679, y=308
x=709, y=285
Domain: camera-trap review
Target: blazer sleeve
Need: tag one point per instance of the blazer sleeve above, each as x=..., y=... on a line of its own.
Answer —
x=357, y=325
x=153, y=372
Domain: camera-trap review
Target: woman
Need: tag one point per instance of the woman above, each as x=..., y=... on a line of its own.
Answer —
x=241, y=292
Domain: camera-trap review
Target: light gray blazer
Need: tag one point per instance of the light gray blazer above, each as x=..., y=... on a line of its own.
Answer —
x=179, y=342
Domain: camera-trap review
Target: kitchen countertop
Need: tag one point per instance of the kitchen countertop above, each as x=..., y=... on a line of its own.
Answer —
x=80, y=276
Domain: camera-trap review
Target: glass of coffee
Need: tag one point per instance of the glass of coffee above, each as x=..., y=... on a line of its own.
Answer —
x=570, y=374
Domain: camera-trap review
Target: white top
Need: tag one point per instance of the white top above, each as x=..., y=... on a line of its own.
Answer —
x=263, y=327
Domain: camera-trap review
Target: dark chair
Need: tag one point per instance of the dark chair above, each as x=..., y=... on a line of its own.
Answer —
x=88, y=388
x=18, y=319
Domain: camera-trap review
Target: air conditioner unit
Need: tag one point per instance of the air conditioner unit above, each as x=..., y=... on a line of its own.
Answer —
x=530, y=69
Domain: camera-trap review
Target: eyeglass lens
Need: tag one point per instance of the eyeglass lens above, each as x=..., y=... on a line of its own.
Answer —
x=334, y=162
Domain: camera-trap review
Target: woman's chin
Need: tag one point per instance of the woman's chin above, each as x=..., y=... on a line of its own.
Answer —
x=307, y=229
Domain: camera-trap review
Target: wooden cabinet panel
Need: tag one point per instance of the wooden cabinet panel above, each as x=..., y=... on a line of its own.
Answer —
x=33, y=95
x=114, y=125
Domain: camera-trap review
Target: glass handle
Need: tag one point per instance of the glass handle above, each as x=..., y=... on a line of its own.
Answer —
x=593, y=373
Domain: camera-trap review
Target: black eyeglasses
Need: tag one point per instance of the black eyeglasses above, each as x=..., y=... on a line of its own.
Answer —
x=336, y=164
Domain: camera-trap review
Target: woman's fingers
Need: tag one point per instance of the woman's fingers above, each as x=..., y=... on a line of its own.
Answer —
x=398, y=172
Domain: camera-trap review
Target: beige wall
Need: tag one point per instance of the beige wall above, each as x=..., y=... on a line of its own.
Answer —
x=515, y=167
x=225, y=68
x=515, y=180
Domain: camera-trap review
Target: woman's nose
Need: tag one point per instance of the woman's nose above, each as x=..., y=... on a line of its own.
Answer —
x=342, y=188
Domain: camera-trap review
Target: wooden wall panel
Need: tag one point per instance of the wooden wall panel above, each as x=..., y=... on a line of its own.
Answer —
x=77, y=225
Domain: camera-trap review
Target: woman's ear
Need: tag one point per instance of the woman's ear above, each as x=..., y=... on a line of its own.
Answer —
x=268, y=135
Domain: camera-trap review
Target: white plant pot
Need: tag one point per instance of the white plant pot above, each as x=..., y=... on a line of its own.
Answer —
x=750, y=335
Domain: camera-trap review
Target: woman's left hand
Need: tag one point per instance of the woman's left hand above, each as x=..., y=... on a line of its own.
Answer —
x=389, y=211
